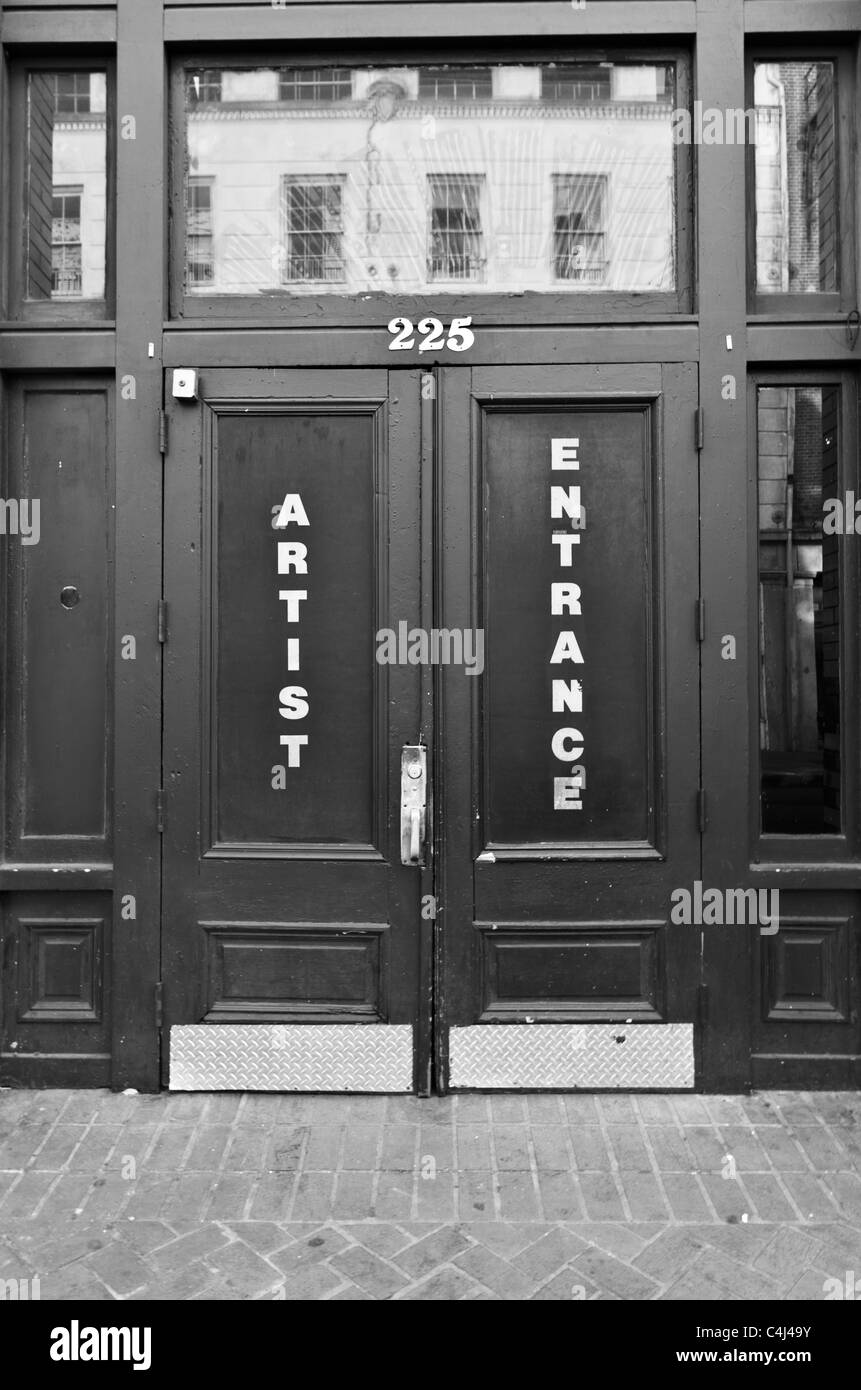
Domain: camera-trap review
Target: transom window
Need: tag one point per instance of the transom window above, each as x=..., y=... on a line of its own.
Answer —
x=407, y=178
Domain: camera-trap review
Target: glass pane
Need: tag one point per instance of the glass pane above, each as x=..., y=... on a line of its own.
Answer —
x=797, y=185
x=408, y=179
x=799, y=610
x=66, y=185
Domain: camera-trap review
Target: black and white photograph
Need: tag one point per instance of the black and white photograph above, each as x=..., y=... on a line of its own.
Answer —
x=430, y=671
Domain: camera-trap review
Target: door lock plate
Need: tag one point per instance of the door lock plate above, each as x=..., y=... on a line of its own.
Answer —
x=413, y=803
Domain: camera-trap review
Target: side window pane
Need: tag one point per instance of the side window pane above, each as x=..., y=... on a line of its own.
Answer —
x=542, y=177
x=66, y=185
x=799, y=610
x=797, y=186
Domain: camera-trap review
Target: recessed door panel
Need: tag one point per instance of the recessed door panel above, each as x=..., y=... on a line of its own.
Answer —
x=570, y=633
x=294, y=609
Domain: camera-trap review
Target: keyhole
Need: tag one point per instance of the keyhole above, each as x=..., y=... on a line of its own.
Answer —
x=69, y=596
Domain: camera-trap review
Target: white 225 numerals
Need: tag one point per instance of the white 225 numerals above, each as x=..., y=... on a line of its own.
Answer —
x=460, y=335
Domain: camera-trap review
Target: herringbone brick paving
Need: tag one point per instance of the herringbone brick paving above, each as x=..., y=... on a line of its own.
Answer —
x=508, y=1197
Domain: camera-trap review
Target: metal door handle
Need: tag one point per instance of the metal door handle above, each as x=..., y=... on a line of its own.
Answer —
x=413, y=803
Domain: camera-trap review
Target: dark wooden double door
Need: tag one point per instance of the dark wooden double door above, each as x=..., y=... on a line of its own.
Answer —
x=540, y=527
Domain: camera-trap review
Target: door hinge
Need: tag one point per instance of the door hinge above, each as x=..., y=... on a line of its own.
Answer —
x=159, y=1005
x=702, y=815
x=701, y=620
x=159, y=810
x=699, y=428
x=702, y=1005
x=162, y=620
x=162, y=432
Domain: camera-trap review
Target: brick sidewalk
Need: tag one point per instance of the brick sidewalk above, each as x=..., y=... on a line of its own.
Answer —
x=506, y=1197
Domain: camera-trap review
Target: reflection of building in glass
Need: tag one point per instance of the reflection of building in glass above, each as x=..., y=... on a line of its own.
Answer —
x=66, y=259
x=508, y=178
x=579, y=227
x=456, y=227
x=66, y=185
x=796, y=178
x=200, y=263
x=799, y=621
x=312, y=228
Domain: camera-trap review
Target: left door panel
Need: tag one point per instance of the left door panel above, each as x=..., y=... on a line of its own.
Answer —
x=58, y=833
x=291, y=952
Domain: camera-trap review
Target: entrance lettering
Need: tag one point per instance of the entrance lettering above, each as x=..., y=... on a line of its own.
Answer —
x=567, y=743
x=293, y=700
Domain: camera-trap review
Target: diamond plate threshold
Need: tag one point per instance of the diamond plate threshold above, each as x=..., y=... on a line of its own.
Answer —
x=291, y=1057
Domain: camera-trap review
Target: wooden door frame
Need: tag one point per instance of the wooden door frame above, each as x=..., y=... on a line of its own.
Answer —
x=140, y=306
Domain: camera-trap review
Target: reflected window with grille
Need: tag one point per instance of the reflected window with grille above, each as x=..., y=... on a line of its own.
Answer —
x=72, y=93
x=581, y=82
x=201, y=259
x=456, y=234
x=312, y=86
x=579, y=221
x=313, y=220
x=455, y=84
x=204, y=85
x=66, y=246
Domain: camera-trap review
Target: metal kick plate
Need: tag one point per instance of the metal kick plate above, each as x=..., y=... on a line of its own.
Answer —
x=372, y=1057
x=573, y=1056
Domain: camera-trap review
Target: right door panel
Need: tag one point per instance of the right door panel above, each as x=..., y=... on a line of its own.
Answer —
x=569, y=784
